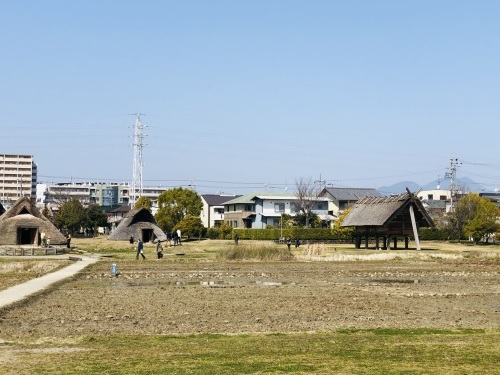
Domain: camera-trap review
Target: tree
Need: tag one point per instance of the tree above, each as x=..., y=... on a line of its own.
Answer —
x=307, y=196
x=339, y=229
x=473, y=216
x=47, y=213
x=143, y=202
x=190, y=226
x=95, y=216
x=287, y=220
x=71, y=215
x=485, y=222
x=175, y=204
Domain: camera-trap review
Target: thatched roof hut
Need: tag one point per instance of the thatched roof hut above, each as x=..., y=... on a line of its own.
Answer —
x=138, y=224
x=23, y=224
x=388, y=217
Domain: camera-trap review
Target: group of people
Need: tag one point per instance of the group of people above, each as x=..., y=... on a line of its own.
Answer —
x=289, y=243
x=175, y=237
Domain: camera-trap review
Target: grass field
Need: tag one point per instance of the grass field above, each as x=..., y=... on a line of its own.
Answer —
x=424, y=350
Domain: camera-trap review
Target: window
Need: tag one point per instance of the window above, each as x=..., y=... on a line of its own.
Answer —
x=442, y=197
x=279, y=207
x=430, y=197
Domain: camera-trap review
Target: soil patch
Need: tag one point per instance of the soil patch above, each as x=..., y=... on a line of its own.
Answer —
x=189, y=297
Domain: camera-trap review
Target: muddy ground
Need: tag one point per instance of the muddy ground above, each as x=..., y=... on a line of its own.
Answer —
x=182, y=296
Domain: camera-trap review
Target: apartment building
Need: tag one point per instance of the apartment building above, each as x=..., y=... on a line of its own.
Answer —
x=18, y=177
x=105, y=194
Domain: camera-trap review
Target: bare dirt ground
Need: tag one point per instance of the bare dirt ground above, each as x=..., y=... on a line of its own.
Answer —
x=179, y=295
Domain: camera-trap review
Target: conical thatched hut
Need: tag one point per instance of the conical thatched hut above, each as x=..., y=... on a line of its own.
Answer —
x=138, y=224
x=23, y=224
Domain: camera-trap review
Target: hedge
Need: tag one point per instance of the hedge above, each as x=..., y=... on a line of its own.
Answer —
x=314, y=234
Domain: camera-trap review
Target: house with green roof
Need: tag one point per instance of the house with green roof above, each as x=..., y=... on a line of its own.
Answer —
x=257, y=210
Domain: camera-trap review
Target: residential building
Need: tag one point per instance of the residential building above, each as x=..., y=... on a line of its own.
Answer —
x=436, y=202
x=257, y=210
x=105, y=194
x=212, y=214
x=340, y=199
x=18, y=177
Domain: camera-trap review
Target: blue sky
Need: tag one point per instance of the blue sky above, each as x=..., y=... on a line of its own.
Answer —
x=242, y=95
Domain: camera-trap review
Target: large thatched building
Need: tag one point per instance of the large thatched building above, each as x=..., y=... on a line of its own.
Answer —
x=387, y=218
x=139, y=224
x=23, y=224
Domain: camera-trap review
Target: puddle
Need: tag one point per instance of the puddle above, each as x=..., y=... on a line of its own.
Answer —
x=389, y=281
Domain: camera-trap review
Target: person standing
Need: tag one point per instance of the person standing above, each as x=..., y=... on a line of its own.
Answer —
x=289, y=243
x=236, y=238
x=44, y=239
x=140, y=250
x=179, y=236
x=68, y=241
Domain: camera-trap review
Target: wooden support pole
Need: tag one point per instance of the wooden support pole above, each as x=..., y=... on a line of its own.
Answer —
x=414, y=226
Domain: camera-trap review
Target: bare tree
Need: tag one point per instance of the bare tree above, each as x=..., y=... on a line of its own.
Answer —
x=307, y=196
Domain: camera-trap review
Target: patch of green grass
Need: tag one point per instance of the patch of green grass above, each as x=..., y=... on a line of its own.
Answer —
x=421, y=351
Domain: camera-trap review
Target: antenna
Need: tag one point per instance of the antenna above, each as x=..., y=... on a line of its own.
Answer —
x=438, y=183
x=137, y=187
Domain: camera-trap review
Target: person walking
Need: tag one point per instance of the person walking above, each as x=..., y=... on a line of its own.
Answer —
x=297, y=243
x=236, y=238
x=175, y=237
x=159, y=250
x=288, y=243
x=140, y=250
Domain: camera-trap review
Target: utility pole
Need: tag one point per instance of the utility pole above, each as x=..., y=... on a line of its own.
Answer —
x=137, y=186
x=454, y=163
x=320, y=182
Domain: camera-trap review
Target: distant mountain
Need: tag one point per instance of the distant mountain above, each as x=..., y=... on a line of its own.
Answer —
x=399, y=188
x=464, y=183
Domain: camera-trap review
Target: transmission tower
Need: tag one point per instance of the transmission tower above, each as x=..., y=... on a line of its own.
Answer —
x=136, y=190
x=454, y=163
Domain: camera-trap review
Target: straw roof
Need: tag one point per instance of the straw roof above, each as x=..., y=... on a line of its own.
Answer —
x=134, y=223
x=380, y=211
x=24, y=214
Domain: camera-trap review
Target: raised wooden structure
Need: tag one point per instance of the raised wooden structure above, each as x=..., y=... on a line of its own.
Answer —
x=387, y=219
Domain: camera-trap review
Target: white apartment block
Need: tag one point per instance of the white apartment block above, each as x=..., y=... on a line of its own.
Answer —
x=107, y=194
x=18, y=176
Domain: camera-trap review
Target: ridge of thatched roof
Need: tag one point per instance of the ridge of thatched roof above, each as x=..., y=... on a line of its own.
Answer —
x=379, y=211
x=23, y=205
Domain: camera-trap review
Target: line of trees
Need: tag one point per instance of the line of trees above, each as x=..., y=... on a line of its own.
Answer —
x=474, y=217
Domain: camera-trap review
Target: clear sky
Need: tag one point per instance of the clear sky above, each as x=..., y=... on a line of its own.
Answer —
x=240, y=95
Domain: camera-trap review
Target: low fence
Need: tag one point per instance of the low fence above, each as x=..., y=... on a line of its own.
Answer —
x=25, y=251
